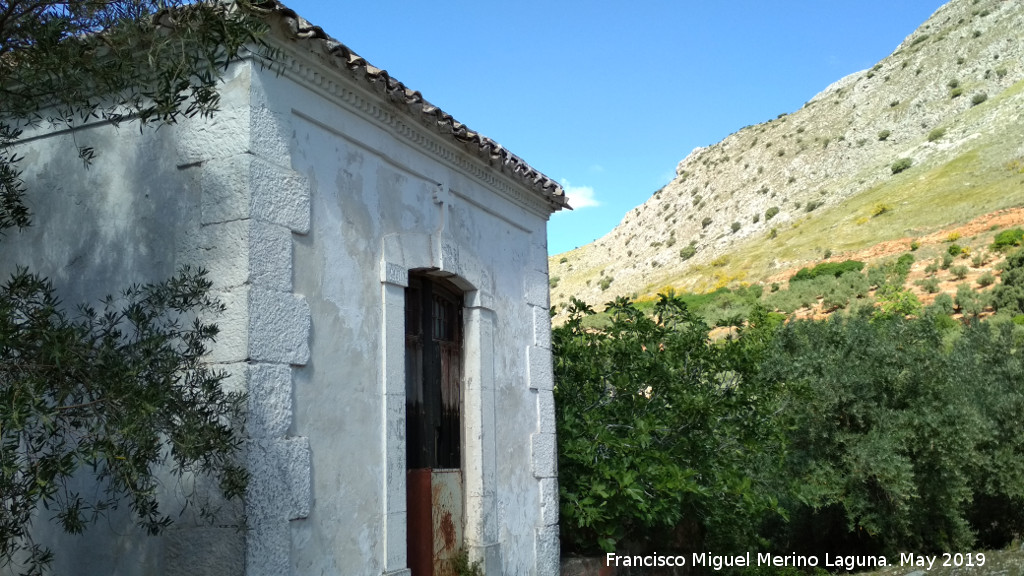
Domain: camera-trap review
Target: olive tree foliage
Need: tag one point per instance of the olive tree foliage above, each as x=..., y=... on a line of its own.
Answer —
x=902, y=436
x=117, y=390
x=872, y=433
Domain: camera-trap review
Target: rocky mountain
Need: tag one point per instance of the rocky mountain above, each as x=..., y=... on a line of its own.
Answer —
x=929, y=138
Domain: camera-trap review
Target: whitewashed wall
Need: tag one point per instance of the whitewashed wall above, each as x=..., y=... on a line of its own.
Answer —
x=151, y=202
x=389, y=196
x=310, y=198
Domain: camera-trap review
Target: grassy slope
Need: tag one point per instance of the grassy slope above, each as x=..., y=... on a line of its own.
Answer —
x=984, y=177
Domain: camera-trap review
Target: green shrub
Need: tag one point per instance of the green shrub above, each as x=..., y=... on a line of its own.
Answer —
x=804, y=294
x=563, y=260
x=901, y=266
x=919, y=39
x=1009, y=294
x=461, y=565
x=943, y=304
x=892, y=274
x=771, y=213
x=1007, y=239
x=897, y=303
x=978, y=98
x=835, y=269
x=947, y=261
x=956, y=93
x=605, y=283
x=689, y=251
x=754, y=291
x=954, y=83
x=811, y=206
x=986, y=279
x=837, y=296
x=736, y=227
x=936, y=134
x=784, y=301
x=959, y=272
x=929, y=285
x=954, y=249
x=706, y=222
x=553, y=282
x=856, y=284
x=901, y=165
x=876, y=276
x=884, y=135
x=880, y=208
x=969, y=302
x=914, y=245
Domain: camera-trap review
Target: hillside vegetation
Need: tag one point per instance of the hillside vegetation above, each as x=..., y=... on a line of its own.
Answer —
x=893, y=426
x=865, y=436
x=926, y=144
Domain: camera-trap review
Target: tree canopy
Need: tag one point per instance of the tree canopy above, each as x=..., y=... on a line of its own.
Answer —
x=118, y=389
x=870, y=433
x=114, y=60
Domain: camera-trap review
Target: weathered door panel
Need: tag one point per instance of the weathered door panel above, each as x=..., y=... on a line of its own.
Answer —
x=447, y=519
x=433, y=426
x=419, y=549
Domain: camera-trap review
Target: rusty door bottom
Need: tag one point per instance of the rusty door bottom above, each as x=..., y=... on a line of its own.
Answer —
x=435, y=520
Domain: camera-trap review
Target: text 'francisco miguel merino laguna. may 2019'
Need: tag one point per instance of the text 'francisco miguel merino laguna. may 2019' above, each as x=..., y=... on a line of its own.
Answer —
x=847, y=562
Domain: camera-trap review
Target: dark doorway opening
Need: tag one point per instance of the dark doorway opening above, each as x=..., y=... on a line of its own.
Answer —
x=433, y=392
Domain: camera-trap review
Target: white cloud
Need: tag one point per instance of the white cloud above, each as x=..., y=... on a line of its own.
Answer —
x=579, y=196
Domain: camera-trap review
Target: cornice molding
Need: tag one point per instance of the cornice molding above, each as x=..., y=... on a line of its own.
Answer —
x=344, y=89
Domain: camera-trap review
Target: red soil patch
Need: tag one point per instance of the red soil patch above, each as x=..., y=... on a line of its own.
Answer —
x=980, y=225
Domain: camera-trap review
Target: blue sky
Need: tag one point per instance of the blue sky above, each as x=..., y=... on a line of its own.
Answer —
x=607, y=97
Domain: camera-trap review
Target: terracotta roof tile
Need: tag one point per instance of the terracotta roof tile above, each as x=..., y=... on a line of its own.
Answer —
x=489, y=150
